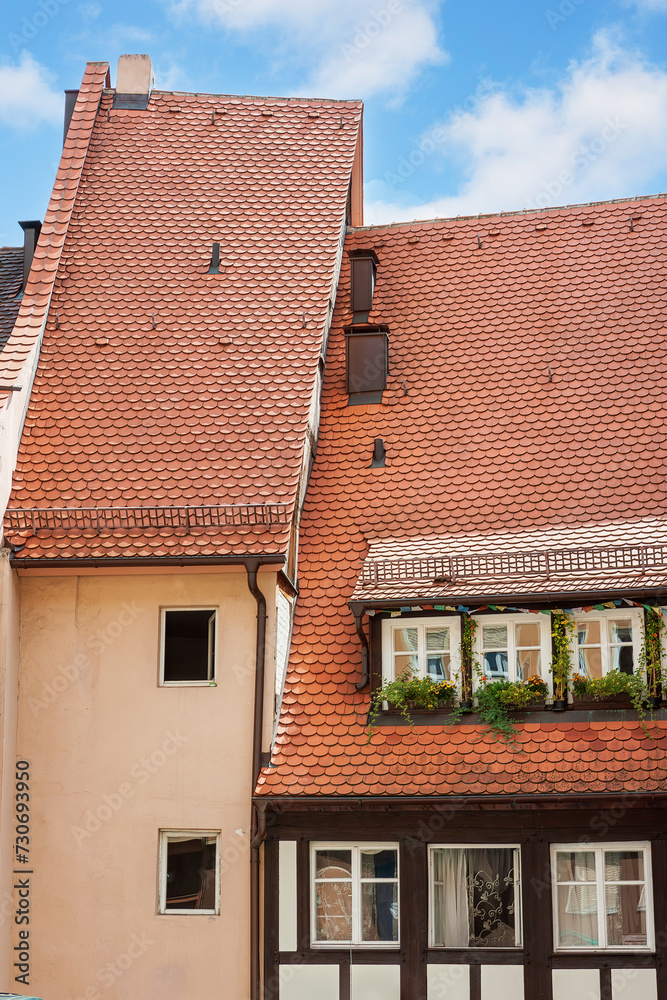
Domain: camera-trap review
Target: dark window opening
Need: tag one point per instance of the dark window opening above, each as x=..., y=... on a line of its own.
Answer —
x=367, y=365
x=191, y=873
x=189, y=646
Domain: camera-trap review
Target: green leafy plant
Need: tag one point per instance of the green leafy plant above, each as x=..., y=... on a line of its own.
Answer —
x=409, y=691
x=650, y=657
x=496, y=699
x=611, y=684
x=468, y=665
x=562, y=632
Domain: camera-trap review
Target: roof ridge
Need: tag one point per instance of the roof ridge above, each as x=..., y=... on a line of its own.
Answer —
x=504, y=215
x=352, y=102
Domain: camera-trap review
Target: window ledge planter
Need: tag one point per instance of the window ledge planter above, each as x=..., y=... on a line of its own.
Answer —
x=620, y=700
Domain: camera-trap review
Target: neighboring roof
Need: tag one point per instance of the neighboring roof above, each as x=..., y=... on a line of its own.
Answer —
x=484, y=444
x=161, y=385
x=11, y=276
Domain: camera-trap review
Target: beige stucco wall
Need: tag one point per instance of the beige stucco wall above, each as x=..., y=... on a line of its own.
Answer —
x=115, y=758
x=9, y=633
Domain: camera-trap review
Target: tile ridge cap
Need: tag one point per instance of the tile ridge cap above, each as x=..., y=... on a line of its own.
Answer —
x=356, y=102
x=517, y=213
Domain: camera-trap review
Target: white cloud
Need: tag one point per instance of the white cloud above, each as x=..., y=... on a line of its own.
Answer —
x=600, y=133
x=347, y=48
x=26, y=96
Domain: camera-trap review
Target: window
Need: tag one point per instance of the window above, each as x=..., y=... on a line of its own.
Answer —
x=475, y=897
x=354, y=894
x=188, y=646
x=428, y=646
x=606, y=640
x=514, y=647
x=602, y=897
x=189, y=872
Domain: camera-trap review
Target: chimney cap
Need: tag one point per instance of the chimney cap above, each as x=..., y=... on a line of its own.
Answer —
x=32, y=224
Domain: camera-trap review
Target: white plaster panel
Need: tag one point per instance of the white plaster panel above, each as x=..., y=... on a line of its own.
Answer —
x=632, y=984
x=448, y=982
x=303, y=982
x=375, y=982
x=576, y=984
x=287, y=896
x=502, y=982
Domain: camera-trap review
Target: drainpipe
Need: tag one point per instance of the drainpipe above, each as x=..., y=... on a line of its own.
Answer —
x=357, y=611
x=258, y=822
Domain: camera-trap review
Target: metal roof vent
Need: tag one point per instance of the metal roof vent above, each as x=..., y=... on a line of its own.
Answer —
x=367, y=353
x=363, y=271
x=134, y=82
x=214, y=266
x=31, y=231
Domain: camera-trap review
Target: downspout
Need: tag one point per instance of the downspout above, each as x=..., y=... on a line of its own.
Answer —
x=258, y=822
x=357, y=611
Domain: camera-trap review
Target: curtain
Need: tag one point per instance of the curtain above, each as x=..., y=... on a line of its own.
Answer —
x=450, y=871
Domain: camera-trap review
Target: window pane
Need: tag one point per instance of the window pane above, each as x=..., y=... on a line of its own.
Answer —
x=624, y=866
x=528, y=635
x=474, y=896
x=191, y=874
x=575, y=866
x=620, y=630
x=404, y=662
x=186, y=645
x=622, y=659
x=379, y=864
x=333, y=864
x=405, y=639
x=494, y=636
x=528, y=663
x=437, y=638
x=496, y=665
x=588, y=632
x=379, y=911
x=437, y=667
x=626, y=916
x=577, y=916
x=590, y=661
x=333, y=911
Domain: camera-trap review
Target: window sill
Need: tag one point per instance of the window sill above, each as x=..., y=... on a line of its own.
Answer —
x=596, y=711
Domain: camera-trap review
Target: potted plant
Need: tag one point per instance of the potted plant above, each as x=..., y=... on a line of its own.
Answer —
x=562, y=631
x=623, y=689
x=468, y=630
x=496, y=699
x=409, y=692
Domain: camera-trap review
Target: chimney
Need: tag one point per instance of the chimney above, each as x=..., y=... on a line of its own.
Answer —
x=134, y=82
x=31, y=231
x=70, y=102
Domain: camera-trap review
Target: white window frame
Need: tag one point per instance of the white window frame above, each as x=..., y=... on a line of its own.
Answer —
x=212, y=645
x=544, y=623
x=452, y=622
x=604, y=617
x=165, y=835
x=599, y=850
x=518, y=893
x=356, y=848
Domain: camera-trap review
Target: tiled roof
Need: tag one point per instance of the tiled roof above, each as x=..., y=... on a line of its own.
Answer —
x=526, y=395
x=616, y=557
x=11, y=276
x=163, y=385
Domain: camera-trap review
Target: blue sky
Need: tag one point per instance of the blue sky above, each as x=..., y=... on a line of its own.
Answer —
x=472, y=106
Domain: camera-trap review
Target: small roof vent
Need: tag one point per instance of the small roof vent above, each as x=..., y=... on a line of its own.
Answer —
x=134, y=82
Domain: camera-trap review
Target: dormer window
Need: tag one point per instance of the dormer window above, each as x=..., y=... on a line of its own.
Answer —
x=363, y=271
x=428, y=647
